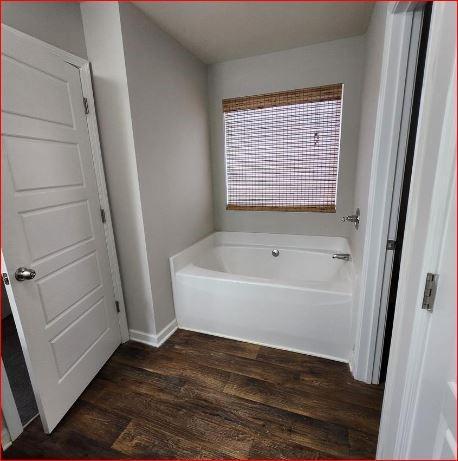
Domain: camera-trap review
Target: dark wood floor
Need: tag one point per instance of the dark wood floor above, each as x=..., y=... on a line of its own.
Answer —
x=205, y=397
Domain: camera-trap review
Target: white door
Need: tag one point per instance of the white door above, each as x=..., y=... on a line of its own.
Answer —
x=51, y=224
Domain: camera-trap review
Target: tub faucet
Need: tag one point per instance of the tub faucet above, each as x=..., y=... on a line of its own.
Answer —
x=343, y=256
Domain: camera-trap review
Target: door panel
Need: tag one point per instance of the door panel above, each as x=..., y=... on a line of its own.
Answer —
x=69, y=345
x=64, y=288
x=52, y=224
x=43, y=96
x=54, y=228
x=37, y=164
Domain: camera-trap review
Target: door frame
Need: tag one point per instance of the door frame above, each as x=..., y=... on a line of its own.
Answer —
x=434, y=170
x=400, y=23
x=9, y=407
x=9, y=412
x=86, y=85
x=400, y=181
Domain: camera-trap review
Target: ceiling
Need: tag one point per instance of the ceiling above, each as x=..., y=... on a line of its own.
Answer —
x=221, y=31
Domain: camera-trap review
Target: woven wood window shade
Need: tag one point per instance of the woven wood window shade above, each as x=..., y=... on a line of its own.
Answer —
x=282, y=150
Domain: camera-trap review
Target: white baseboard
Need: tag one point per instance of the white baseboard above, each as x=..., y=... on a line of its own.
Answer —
x=167, y=331
x=154, y=340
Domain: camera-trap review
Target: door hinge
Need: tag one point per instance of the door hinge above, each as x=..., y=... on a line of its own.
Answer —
x=430, y=292
x=5, y=278
x=117, y=307
x=103, y=215
x=86, y=106
x=391, y=245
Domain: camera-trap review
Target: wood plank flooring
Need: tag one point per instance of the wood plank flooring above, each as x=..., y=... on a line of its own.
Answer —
x=200, y=396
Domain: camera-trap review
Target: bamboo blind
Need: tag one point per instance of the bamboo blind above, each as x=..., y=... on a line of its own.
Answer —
x=282, y=150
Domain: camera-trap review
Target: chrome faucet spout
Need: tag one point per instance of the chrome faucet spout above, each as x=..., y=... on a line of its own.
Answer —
x=343, y=256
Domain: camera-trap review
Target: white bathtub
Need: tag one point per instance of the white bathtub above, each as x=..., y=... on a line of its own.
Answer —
x=230, y=285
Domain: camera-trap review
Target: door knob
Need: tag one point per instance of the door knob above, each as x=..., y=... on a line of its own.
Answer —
x=22, y=273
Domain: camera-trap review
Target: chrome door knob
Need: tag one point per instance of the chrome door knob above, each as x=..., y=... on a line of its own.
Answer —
x=22, y=273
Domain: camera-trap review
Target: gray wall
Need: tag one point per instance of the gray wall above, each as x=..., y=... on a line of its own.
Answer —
x=340, y=61
x=168, y=98
x=102, y=28
x=56, y=23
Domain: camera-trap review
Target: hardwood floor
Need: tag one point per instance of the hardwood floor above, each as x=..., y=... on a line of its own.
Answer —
x=200, y=396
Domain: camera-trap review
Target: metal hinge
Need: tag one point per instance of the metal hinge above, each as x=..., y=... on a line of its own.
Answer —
x=102, y=215
x=117, y=307
x=430, y=292
x=5, y=278
x=391, y=245
x=86, y=106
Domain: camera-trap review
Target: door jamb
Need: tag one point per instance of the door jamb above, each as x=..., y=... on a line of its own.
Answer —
x=398, y=28
x=86, y=84
x=9, y=410
x=398, y=182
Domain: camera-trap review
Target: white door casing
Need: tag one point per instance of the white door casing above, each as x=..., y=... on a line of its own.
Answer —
x=432, y=431
x=419, y=407
x=397, y=38
x=51, y=223
x=395, y=188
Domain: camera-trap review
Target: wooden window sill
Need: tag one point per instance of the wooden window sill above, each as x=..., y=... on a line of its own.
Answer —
x=315, y=209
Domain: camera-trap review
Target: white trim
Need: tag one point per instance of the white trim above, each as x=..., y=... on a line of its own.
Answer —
x=154, y=340
x=258, y=343
x=432, y=176
x=6, y=439
x=405, y=7
x=9, y=408
x=31, y=420
x=396, y=188
x=388, y=122
x=86, y=85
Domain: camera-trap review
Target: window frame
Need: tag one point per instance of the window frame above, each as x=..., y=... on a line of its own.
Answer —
x=332, y=208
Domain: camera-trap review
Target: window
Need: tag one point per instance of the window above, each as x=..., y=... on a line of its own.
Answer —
x=282, y=150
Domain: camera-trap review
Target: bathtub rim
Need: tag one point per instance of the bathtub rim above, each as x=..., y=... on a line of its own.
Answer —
x=225, y=238
x=245, y=239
